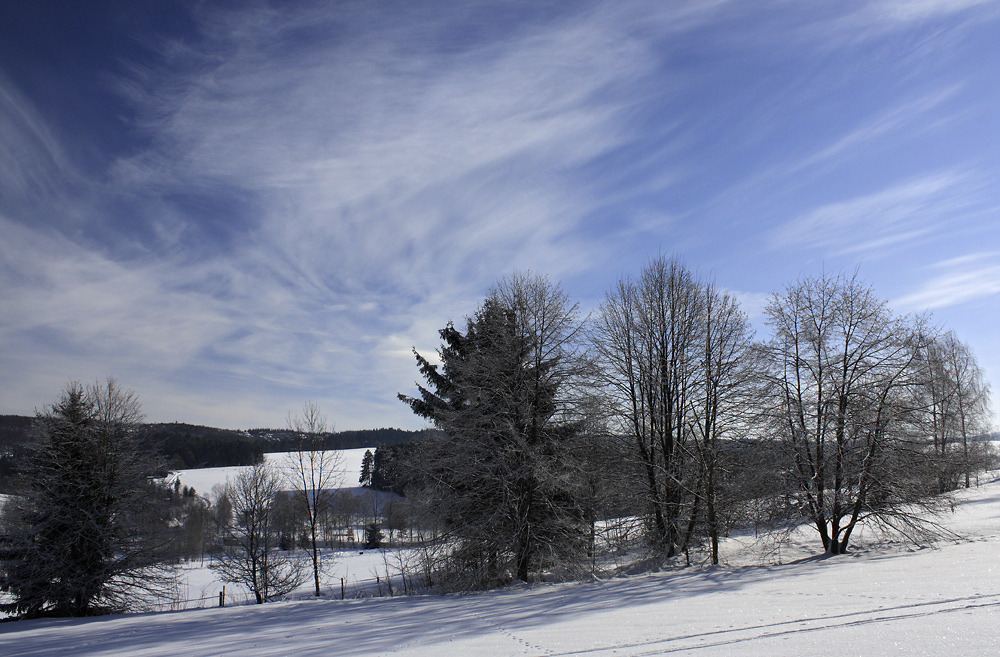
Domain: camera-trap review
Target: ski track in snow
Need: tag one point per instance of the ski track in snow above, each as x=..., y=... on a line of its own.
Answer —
x=718, y=638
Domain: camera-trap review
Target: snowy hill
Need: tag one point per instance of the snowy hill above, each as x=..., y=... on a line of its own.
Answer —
x=203, y=479
x=881, y=600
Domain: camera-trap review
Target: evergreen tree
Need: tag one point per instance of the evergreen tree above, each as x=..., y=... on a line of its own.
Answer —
x=506, y=476
x=373, y=537
x=84, y=537
x=367, y=463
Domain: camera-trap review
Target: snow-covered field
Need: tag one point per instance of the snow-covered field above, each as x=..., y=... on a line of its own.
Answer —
x=879, y=600
x=198, y=585
x=202, y=480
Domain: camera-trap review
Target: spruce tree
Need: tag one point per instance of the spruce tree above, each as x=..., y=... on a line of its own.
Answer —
x=367, y=463
x=85, y=535
x=506, y=475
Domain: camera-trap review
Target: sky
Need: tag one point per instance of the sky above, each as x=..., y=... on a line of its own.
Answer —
x=236, y=207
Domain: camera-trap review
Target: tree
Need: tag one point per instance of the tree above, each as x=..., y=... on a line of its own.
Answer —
x=314, y=473
x=674, y=355
x=718, y=406
x=648, y=342
x=373, y=536
x=367, y=463
x=972, y=397
x=955, y=400
x=86, y=533
x=250, y=554
x=504, y=473
x=841, y=373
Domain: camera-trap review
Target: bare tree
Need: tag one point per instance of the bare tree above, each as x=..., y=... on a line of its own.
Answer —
x=840, y=366
x=718, y=409
x=250, y=554
x=86, y=534
x=648, y=339
x=936, y=398
x=972, y=393
x=954, y=398
x=314, y=473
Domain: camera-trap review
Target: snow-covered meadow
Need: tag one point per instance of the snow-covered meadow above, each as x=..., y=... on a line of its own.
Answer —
x=882, y=599
x=364, y=572
x=204, y=479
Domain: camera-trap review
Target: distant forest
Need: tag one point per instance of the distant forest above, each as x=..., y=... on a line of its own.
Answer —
x=185, y=446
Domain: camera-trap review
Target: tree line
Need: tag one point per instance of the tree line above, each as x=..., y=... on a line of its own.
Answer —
x=663, y=407
x=659, y=424
x=187, y=446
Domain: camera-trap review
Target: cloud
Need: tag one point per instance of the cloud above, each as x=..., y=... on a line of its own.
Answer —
x=752, y=303
x=31, y=158
x=899, y=214
x=866, y=21
x=366, y=161
x=905, y=12
x=903, y=116
x=389, y=180
x=317, y=189
x=308, y=209
x=960, y=280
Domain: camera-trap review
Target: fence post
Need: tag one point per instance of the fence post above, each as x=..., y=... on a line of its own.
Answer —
x=222, y=597
x=341, y=588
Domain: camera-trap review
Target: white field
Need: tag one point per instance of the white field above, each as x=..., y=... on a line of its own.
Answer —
x=204, y=479
x=883, y=599
x=198, y=586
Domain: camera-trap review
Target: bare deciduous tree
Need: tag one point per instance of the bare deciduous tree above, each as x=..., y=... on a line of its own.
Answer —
x=314, y=473
x=955, y=400
x=718, y=409
x=250, y=554
x=648, y=342
x=840, y=366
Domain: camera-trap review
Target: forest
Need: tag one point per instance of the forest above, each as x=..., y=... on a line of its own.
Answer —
x=185, y=446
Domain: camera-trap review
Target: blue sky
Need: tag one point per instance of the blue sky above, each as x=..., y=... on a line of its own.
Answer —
x=237, y=207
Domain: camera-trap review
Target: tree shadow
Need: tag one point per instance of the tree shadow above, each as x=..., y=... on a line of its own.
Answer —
x=358, y=627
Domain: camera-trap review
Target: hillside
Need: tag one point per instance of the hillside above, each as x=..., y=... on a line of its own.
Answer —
x=884, y=599
x=187, y=446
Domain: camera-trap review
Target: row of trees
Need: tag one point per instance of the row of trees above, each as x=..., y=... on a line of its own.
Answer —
x=663, y=405
x=662, y=408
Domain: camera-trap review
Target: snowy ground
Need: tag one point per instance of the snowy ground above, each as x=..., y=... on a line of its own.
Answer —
x=198, y=585
x=203, y=479
x=885, y=600
x=364, y=573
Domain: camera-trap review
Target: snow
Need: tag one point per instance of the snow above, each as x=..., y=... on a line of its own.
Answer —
x=364, y=573
x=198, y=585
x=884, y=599
x=203, y=479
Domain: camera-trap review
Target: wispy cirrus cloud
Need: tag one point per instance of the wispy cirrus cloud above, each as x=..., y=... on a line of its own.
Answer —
x=913, y=116
x=956, y=281
x=31, y=157
x=903, y=12
x=898, y=214
x=312, y=190
x=861, y=22
x=314, y=200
